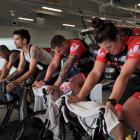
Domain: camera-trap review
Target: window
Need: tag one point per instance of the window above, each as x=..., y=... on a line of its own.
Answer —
x=10, y=44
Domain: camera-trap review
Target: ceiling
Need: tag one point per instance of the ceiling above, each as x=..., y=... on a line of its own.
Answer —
x=125, y=12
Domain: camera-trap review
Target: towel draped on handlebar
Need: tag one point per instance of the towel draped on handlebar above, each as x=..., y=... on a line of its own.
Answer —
x=87, y=113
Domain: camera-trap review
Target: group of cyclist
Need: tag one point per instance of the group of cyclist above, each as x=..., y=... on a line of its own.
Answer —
x=74, y=62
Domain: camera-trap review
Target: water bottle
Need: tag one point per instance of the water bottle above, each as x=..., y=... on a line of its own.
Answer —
x=9, y=97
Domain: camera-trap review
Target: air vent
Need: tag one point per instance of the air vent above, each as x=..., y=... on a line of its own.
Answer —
x=42, y=1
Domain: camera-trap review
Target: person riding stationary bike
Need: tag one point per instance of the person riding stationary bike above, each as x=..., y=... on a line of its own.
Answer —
x=76, y=62
x=12, y=58
x=38, y=59
x=123, y=53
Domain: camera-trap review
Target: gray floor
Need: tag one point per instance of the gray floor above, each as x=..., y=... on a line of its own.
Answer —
x=14, y=115
x=7, y=132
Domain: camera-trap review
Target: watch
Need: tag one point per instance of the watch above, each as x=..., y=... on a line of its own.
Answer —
x=112, y=101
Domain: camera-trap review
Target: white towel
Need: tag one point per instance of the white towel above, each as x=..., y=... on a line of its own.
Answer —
x=88, y=113
x=50, y=106
x=39, y=102
x=96, y=93
x=39, y=99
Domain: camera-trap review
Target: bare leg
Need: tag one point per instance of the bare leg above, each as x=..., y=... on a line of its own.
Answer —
x=131, y=113
x=121, y=131
x=76, y=83
x=121, y=128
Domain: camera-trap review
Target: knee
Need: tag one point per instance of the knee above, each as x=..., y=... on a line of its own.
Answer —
x=73, y=84
x=72, y=81
x=127, y=111
x=76, y=80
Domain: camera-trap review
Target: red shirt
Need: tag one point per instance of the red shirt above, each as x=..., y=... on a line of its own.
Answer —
x=133, y=43
x=76, y=48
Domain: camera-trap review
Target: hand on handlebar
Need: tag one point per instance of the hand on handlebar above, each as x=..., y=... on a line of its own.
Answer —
x=74, y=99
x=12, y=85
x=38, y=84
x=52, y=89
x=2, y=80
x=112, y=107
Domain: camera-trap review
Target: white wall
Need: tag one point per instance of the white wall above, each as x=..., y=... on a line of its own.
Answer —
x=40, y=37
x=8, y=42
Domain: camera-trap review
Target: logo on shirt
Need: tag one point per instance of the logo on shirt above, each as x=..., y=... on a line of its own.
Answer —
x=101, y=53
x=74, y=47
x=135, y=50
x=123, y=59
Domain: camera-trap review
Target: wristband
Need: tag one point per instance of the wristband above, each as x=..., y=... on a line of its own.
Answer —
x=112, y=101
x=46, y=83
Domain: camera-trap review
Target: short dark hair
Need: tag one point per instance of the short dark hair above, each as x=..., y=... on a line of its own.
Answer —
x=4, y=48
x=124, y=31
x=57, y=40
x=23, y=34
x=104, y=30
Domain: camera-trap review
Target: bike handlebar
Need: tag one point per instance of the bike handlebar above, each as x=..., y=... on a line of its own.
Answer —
x=44, y=94
x=27, y=85
x=4, y=83
x=64, y=110
x=102, y=111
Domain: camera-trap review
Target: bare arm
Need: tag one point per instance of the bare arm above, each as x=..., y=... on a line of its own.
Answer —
x=63, y=73
x=122, y=80
x=12, y=60
x=52, y=67
x=19, y=70
x=32, y=67
x=92, y=79
x=3, y=68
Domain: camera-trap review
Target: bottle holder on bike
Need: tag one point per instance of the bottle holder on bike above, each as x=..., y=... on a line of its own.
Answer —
x=12, y=103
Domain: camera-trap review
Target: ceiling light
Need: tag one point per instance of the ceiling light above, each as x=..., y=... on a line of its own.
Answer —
x=27, y=19
x=69, y=25
x=138, y=4
x=102, y=18
x=51, y=9
x=88, y=20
